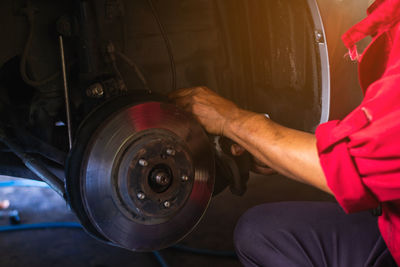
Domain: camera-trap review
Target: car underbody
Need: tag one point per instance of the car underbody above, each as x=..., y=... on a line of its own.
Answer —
x=84, y=104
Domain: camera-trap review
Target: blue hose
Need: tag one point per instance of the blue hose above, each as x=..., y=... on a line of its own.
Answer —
x=37, y=226
x=53, y=225
x=23, y=183
x=160, y=259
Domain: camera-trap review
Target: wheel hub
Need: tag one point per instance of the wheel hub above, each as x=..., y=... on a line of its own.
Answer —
x=146, y=169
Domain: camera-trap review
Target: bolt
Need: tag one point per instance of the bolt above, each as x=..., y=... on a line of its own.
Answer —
x=185, y=178
x=95, y=90
x=141, y=196
x=319, y=37
x=162, y=178
x=64, y=26
x=171, y=152
x=167, y=204
x=143, y=163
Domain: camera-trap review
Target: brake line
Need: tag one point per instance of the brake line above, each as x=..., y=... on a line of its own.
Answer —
x=167, y=43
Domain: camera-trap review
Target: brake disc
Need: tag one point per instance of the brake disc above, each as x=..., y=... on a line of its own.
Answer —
x=140, y=177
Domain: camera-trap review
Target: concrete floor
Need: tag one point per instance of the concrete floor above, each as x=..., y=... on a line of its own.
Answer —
x=73, y=247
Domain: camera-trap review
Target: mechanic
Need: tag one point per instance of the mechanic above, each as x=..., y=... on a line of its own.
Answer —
x=356, y=159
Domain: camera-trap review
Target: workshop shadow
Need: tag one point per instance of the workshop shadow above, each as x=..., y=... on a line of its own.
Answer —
x=73, y=247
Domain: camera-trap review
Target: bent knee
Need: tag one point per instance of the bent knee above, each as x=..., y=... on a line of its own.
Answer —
x=253, y=238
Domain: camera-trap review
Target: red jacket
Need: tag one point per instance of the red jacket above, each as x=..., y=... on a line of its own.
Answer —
x=360, y=154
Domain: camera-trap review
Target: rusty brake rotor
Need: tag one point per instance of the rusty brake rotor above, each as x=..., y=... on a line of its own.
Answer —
x=140, y=177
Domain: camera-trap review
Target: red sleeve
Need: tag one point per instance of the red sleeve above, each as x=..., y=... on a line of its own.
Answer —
x=360, y=155
x=341, y=173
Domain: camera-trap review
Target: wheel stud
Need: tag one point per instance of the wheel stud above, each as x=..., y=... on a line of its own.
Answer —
x=167, y=204
x=171, y=152
x=141, y=196
x=143, y=163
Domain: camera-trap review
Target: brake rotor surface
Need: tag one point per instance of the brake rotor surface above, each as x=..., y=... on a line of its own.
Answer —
x=146, y=176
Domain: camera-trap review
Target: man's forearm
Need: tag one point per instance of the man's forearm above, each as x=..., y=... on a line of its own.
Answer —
x=290, y=152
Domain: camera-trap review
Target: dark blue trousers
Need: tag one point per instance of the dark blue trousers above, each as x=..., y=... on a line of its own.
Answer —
x=315, y=234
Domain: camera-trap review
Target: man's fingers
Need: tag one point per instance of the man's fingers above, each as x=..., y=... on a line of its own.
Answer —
x=263, y=170
x=181, y=93
x=183, y=98
x=206, y=106
x=177, y=94
x=183, y=102
x=237, y=150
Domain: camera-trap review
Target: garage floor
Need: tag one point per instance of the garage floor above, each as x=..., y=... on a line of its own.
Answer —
x=73, y=247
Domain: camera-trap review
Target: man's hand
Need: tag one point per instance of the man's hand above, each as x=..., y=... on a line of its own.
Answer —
x=211, y=110
x=290, y=152
x=214, y=112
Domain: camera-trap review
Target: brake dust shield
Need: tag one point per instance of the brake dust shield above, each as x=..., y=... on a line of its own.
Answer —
x=141, y=177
